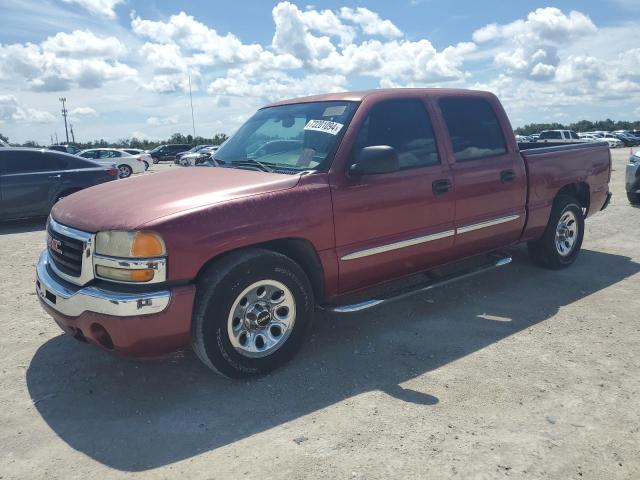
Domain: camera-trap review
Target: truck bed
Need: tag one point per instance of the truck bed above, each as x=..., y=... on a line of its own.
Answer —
x=583, y=166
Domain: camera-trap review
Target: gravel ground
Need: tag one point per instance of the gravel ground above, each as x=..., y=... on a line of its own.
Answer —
x=521, y=373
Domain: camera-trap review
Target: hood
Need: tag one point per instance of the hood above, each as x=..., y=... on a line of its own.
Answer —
x=129, y=204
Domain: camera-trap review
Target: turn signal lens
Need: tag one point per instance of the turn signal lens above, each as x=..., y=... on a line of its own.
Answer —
x=147, y=244
x=124, y=275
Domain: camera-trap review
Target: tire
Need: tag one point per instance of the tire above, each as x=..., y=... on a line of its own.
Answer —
x=146, y=165
x=220, y=319
x=562, y=239
x=634, y=198
x=155, y=161
x=124, y=171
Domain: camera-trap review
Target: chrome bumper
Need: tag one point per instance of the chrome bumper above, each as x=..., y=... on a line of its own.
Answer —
x=71, y=300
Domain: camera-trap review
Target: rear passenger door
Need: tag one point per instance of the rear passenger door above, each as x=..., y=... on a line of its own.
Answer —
x=29, y=181
x=489, y=175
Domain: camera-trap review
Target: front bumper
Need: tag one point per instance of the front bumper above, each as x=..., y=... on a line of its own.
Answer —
x=139, y=324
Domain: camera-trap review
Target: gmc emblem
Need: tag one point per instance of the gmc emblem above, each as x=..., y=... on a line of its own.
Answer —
x=55, y=245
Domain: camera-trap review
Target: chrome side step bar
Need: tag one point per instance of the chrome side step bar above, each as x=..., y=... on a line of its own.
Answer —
x=495, y=260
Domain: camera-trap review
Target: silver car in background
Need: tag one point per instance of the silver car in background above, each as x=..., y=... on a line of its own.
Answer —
x=198, y=158
x=632, y=178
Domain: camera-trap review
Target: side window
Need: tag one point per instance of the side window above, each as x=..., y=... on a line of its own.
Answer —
x=32, y=162
x=574, y=135
x=90, y=154
x=404, y=125
x=473, y=127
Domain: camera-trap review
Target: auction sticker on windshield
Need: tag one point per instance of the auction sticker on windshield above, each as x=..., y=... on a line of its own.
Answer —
x=323, y=126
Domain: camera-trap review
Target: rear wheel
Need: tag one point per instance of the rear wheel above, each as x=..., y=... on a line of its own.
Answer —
x=562, y=239
x=634, y=198
x=252, y=312
x=124, y=171
x=146, y=165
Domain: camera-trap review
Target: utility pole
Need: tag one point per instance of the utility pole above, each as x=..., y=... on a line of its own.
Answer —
x=73, y=137
x=64, y=114
x=51, y=137
x=193, y=122
x=56, y=138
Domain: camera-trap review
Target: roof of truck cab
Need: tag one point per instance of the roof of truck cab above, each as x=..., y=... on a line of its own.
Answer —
x=381, y=92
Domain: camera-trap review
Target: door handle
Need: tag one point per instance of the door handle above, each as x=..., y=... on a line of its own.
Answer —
x=507, y=176
x=440, y=187
x=55, y=176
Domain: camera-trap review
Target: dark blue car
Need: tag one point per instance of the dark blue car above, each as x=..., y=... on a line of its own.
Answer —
x=32, y=180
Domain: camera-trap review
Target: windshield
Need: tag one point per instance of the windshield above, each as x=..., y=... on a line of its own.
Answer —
x=296, y=137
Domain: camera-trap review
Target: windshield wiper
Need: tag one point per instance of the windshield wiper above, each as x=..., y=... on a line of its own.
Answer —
x=252, y=161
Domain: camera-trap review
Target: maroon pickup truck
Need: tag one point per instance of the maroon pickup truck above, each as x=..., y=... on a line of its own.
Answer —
x=312, y=203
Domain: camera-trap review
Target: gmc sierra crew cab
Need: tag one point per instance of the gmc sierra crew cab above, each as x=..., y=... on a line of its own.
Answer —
x=311, y=204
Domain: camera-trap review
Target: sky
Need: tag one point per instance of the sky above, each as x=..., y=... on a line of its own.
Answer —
x=124, y=65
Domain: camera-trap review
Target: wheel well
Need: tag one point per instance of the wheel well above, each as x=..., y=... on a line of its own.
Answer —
x=580, y=191
x=300, y=251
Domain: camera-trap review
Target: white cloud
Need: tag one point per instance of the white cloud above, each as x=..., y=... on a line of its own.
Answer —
x=276, y=86
x=83, y=112
x=12, y=110
x=79, y=59
x=157, y=121
x=530, y=47
x=98, y=7
x=83, y=44
x=195, y=37
x=370, y=22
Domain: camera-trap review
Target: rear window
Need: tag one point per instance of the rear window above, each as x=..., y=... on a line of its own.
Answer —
x=551, y=135
x=473, y=127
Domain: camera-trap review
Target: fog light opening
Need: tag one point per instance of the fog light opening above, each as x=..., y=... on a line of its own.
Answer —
x=100, y=335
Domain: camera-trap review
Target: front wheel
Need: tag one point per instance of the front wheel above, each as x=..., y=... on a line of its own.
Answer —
x=562, y=239
x=252, y=312
x=634, y=198
x=146, y=165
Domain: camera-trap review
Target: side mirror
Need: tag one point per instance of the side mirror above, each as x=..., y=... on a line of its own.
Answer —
x=375, y=160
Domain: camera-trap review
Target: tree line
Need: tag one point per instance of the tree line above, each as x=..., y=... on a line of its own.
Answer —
x=581, y=126
x=135, y=142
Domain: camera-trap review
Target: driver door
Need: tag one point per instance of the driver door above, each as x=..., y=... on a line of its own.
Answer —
x=393, y=224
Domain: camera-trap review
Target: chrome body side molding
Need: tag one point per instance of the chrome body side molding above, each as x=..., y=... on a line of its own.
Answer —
x=397, y=245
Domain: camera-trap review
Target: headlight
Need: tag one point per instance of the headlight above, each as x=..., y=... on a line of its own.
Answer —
x=130, y=257
x=130, y=244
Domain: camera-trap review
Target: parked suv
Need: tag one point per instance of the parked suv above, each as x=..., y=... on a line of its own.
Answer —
x=559, y=136
x=163, y=153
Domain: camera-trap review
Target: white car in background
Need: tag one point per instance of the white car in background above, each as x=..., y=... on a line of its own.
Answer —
x=613, y=142
x=144, y=156
x=126, y=163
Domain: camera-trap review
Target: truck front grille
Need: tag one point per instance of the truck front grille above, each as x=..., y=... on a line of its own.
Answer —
x=66, y=252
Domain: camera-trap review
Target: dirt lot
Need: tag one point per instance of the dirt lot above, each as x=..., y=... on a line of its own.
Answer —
x=521, y=373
